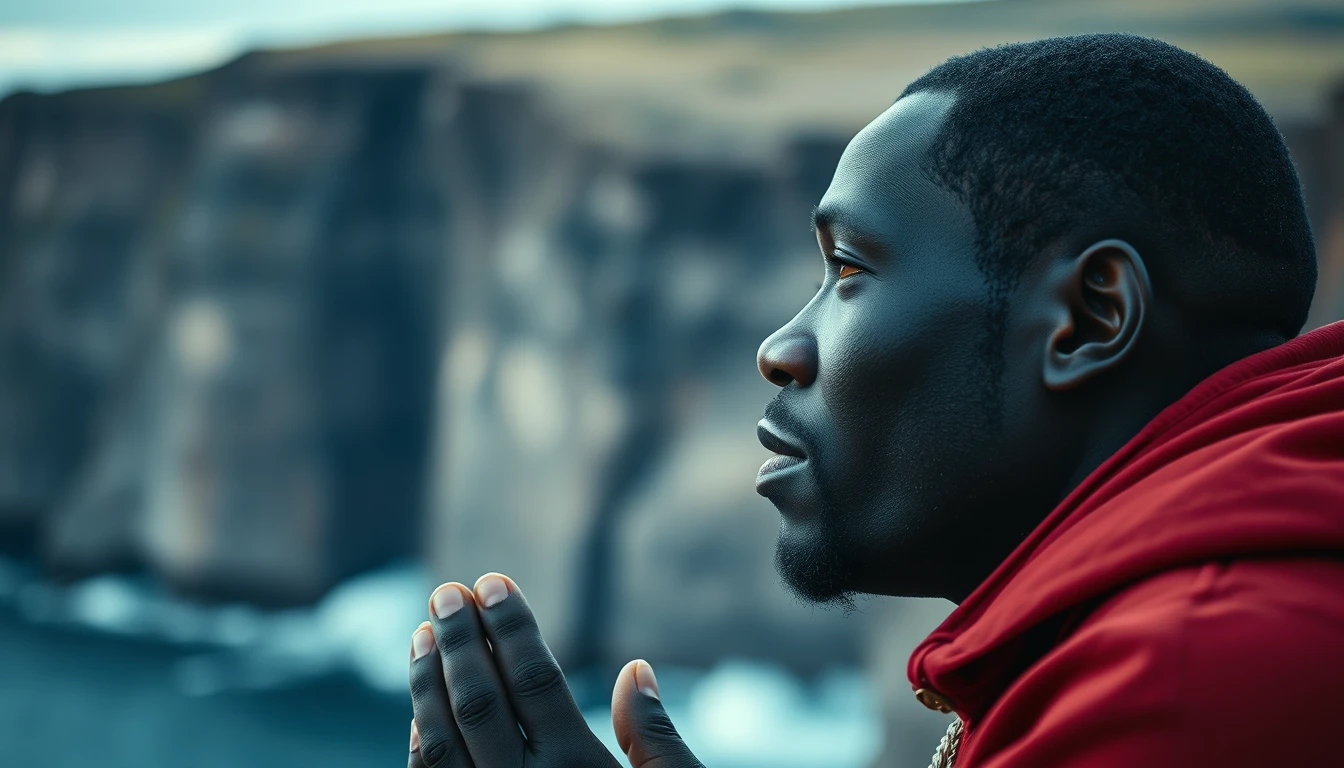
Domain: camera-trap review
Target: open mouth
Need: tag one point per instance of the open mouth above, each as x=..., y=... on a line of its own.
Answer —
x=787, y=454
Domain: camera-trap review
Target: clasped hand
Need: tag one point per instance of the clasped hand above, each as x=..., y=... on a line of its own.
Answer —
x=487, y=693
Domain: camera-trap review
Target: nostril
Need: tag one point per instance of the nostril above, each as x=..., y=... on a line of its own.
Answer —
x=788, y=358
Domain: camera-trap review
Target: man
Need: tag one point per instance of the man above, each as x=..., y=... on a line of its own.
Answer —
x=1051, y=375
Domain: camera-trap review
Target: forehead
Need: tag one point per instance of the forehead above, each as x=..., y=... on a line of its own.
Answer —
x=880, y=182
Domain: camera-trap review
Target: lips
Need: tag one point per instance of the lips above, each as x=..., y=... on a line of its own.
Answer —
x=787, y=455
x=774, y=443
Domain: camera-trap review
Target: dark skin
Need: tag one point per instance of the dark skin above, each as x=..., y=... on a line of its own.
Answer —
x=899, y=470
x=910, y=485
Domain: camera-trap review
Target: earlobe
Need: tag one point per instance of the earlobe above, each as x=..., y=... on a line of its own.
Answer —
x=1104, y=296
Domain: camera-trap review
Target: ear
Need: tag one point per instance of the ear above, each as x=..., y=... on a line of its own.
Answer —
x=1104, y=296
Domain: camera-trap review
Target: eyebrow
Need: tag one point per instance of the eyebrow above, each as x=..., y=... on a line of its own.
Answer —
x=843, y=226
x=820, y=218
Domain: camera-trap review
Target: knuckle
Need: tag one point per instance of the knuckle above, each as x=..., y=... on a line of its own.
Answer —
x=439, y=752
x=423, y=686
x=451, y=641
x=536, y=678
x=474, y=706
x=514, y=622
x=658, y=727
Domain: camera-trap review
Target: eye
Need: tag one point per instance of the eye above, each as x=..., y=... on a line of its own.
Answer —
x=846, y=270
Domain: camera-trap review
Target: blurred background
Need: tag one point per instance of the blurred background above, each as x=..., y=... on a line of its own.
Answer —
x=307, y=307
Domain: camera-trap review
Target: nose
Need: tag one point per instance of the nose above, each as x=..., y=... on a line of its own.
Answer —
x=788, y=357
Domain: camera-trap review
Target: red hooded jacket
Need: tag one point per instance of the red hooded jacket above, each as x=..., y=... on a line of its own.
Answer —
x=1184, y=605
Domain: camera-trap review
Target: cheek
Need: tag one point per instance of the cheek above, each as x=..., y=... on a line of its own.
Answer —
x=898, y=379
x=867, y=368
x=874, y=355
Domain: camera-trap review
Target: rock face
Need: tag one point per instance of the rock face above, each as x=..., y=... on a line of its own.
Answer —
x=222, y=331
x=240, y=338
x=86, y=181
x=288, y=443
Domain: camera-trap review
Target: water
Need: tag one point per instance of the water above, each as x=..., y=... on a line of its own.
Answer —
x=113, y=671
x=73, y=696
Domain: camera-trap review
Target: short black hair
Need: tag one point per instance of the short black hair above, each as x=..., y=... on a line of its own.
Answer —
x=1046, y=135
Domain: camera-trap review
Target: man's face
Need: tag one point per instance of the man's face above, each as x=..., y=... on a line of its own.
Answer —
x=883, y=379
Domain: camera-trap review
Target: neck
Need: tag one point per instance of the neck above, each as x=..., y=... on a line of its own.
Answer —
x=1122, y=416
x=1102, y=444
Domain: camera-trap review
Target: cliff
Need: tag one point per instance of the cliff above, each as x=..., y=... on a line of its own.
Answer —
x=490, y=300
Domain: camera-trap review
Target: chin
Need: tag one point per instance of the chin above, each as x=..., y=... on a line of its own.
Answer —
x=813, y=564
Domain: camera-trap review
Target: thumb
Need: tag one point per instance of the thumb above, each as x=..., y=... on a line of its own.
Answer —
x=643, y=729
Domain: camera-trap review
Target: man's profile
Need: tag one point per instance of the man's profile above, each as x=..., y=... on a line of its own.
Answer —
x=1053, y=374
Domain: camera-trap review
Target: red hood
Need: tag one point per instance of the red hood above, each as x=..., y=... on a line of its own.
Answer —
x=1250, y=462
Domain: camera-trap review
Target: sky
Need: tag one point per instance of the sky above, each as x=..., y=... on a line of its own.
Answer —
x=55, y=44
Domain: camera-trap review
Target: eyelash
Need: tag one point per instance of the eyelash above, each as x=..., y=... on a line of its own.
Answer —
x=842, y=265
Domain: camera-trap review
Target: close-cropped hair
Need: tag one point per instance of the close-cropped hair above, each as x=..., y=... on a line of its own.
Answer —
x=1049, y=136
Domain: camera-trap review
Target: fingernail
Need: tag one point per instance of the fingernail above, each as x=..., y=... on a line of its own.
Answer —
x=446, y=600
x=415, y=737
x=491, y=590
x=422, y=642
x=644, y=679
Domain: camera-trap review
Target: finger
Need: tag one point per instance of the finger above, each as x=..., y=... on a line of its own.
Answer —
x=435, y=739
x=535, y=684
x=643, y=729
x=479, y=703
x=415, y=760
